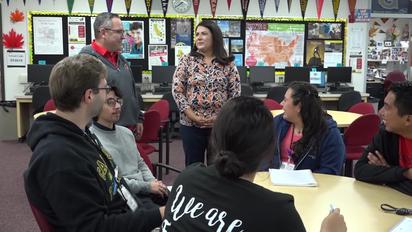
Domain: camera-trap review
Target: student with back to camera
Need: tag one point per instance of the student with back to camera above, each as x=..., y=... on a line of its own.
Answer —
x=241, y=137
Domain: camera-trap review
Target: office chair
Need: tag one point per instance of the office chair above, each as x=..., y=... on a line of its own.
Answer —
x=40, y=96
x=41, y=219
x=348, y=99
x=174, y=113
x=49, y=105
x=272, y=104
x=362, y=108
x=357, y=136
x=277, y=93
x=392, y=77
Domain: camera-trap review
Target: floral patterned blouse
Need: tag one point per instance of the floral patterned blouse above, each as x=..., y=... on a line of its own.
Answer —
x=203, y=87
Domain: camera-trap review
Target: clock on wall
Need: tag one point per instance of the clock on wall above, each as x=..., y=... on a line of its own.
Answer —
x=181, y=6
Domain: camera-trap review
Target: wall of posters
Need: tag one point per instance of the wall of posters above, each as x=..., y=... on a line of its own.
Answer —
x=229, y=28
x=48, y=35
x=76, y=30
x=315, y=53
x=158, y=55
x=325, y=31
x=133, y=42
x=274, y=44
x=181, y=32
x=157, y=31
x=333, y=54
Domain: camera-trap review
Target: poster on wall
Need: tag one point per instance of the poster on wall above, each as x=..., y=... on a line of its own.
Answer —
x=238, y=59
x=157, y=31
x=333, y=54
x=392, y=6
x=315, y=53
x=274, y=44
x=48, y=35
x=181, y=51
x=16, y=58
x=157, y=55
x=229, y=28
x=236, y=45
x=324, y=31
x=133, y=42
x=180, y=30
x=76, y=30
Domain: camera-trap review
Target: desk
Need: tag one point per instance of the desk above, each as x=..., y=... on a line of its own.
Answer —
x=325, y=97
x=23, y=113
x=342, y=118
x=359, y=202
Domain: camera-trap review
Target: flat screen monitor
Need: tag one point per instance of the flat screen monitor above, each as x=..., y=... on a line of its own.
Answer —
x=339, y=75
x=137, y=73
x=163, y=74
x=242, y=73
x=262, y=74
x=39, y=73
x=317, y=78
x=296, y=74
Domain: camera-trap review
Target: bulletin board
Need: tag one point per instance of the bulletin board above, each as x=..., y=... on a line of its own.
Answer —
x=282, y=42
x=54, y=36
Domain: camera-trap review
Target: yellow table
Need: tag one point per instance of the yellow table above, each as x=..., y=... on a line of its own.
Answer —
x=342, y=118
x=359, y=202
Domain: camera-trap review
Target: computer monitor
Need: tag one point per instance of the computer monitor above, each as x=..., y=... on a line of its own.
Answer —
x=137, y=73
x=339, y=75
x=39, y=74
x=296, y=74
x=163, y=74
x=242, y=73
x=317, y=78
x=262, y=74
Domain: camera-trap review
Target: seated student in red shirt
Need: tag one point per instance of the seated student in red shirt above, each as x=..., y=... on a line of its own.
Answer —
x=388, y=159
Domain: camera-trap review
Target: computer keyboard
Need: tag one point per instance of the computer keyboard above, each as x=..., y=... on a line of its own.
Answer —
x=162, y=89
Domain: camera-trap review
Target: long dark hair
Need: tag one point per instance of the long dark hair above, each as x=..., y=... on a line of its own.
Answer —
x=219, y=51
x=242, y=136
x=312, y=113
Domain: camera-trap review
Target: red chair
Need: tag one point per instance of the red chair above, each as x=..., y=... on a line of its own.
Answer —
x=272, y=104
x=49, y=105
x=392, y=77
x=41, y=219
x=357, y=136
x=362, y=108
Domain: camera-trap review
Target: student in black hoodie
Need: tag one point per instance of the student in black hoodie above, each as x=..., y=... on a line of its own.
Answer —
x=388, y=159
x=70, y=178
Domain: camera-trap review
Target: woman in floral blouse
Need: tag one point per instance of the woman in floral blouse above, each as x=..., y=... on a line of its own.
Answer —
x=204, y=80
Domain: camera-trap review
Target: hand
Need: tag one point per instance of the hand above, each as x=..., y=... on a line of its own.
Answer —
x=377, y=159
x=333, y=222
x=408, y=174
x=139, y=130
x=157, y=187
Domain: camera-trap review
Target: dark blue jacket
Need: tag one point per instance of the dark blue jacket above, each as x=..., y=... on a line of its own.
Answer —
x=328, y=158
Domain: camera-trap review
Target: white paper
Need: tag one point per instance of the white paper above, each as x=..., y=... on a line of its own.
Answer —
x=157, y=31
x=48, y=35
x=158, y=55
x=77, y=34
x=292, y=177
x=403, y=226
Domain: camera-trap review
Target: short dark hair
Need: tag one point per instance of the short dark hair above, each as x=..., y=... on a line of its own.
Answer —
x=103, y=20
x=135, y=26
x=403, y=93
x=312, y=113
x=242, y=136
x=71, y=77
x=219, y=51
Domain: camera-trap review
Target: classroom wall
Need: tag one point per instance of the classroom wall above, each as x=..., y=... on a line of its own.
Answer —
x=16, y=79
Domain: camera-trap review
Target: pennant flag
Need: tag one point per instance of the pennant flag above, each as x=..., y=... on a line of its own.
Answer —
x=303, y=5
x=91, y=5
x=289, y=4
x=319, y=5
x=148, y=6
x=335, y=4
x=109, y=4
x=39, y=2
x=8, y=2
x=213, y=4
x=262, y=5
x=245, y=7
x=165, y=3
x=229, y=3
x=277, y=5
x=128, y=4
x=70, y=5
x=196, y=6
x=352, y=5
x=24, y=2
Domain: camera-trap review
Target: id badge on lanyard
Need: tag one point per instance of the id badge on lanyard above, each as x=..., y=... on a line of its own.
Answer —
x=131, y=202
x=288, y=165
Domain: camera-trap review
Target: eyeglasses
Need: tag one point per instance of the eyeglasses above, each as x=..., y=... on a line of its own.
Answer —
x=118, y=31
x=112, y=101
x=107, y=88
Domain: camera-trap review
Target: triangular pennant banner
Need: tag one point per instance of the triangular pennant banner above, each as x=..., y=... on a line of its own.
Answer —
x=229, y=3
x=277, y=5
x=352, y=4
x=109, y=4
x=303, y=5
x=319, y=6
x=148, y=6
x=335, y=4
x=91, y=6
x=8, y=2
x=165, y=3
x=245, y=7
x=196, y=6
x=128, y=4
x=70, y=5
x=262, y=5
x=289, y=4
x=39, y=2
x=213, y=4
x=24, y=2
